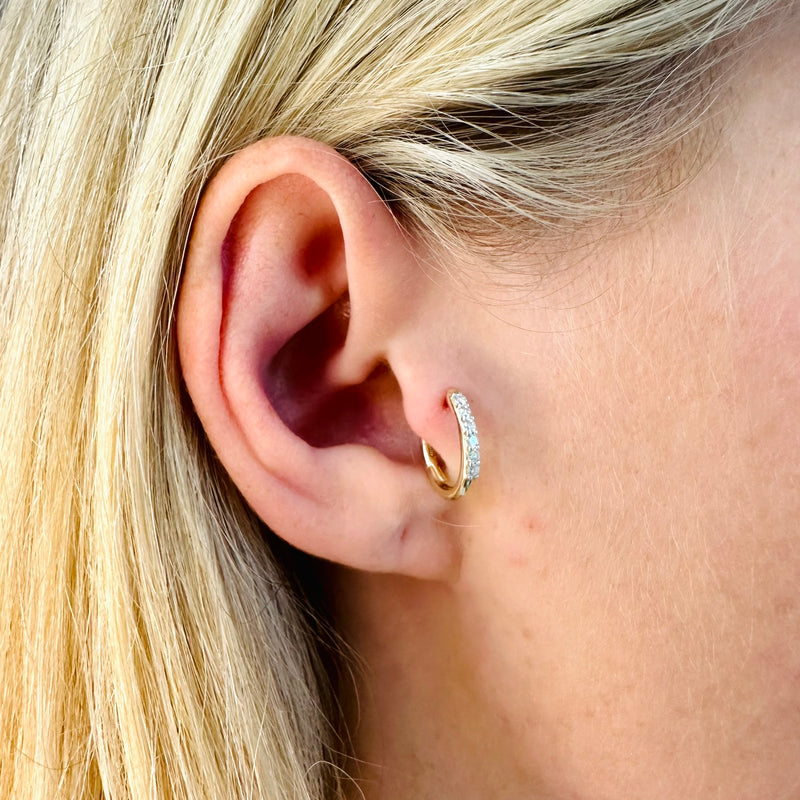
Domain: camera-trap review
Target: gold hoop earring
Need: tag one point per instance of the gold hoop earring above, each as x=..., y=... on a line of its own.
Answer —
x=470, y=463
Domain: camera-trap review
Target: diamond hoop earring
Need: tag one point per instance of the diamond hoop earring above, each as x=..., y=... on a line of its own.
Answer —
x=470, y=464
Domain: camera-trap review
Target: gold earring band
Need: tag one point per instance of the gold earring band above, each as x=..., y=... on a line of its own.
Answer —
x=470, y=463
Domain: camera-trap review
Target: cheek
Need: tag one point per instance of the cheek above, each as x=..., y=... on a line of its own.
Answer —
x=646, y=554
x=767, y=385
x=768, y=345
x=766, y=358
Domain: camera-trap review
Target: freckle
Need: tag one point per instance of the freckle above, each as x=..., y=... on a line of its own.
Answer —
x=785, y=606
x=527, y=634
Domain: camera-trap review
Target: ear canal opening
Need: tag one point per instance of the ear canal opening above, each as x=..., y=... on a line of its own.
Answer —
x=326, y=415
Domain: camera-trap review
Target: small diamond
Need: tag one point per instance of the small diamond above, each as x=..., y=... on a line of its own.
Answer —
x=469, y=432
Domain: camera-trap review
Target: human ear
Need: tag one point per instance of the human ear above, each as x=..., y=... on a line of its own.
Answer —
x=300, y=348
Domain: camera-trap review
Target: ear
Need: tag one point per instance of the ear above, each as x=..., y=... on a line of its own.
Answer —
x=300, y=345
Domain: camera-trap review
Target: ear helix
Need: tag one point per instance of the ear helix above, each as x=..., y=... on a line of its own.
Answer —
x=470, y=461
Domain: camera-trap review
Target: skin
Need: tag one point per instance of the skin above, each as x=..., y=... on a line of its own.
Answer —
x=624, y=622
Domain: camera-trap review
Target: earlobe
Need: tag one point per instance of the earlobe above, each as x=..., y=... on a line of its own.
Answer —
x=287, y=321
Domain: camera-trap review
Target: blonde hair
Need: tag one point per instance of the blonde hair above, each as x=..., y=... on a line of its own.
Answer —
x=154, y=642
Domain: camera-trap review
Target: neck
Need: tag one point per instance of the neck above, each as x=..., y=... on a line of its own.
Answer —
x=422, y=725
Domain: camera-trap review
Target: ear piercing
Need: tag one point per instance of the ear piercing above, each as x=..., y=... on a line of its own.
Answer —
x=470, y=462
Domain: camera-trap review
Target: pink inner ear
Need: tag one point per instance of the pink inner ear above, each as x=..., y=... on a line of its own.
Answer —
x=369, y=413
x=324, y=248
x=229, y=252
x=226, y=258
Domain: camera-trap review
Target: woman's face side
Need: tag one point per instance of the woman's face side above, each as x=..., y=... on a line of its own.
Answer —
x=632, y=558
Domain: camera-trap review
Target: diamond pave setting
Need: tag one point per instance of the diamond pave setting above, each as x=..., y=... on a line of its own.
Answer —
x=469, y=466
x=471, y=451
